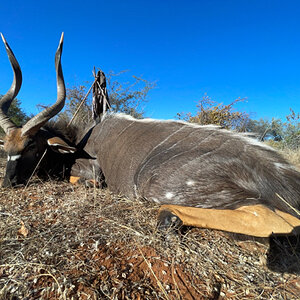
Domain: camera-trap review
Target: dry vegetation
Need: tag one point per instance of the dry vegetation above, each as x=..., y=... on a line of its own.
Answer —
x=59, y=241
x=293, y=156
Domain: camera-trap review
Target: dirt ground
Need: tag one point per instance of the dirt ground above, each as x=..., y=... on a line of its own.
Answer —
x=59, y=241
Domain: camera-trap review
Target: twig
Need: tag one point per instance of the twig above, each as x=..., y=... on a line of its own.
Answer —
x=79, y=106
x=177, y=290
x=35, y=170
x=49, y=274
x=293, y=250
x=123, y=226
x=25, y=263
x=158, y=282
x=290, y=206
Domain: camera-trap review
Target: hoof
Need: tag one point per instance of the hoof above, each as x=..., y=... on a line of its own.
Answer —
x=168, y=221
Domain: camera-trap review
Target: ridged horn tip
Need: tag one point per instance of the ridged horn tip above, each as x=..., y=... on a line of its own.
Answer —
x=3, y=39
x=35, y=123
x=61, y=38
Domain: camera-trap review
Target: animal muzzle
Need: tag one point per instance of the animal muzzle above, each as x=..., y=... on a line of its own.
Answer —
x=11, y=178
x=7, y=182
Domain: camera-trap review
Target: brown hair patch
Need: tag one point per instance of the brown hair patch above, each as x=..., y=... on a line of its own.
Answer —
x=14, y=141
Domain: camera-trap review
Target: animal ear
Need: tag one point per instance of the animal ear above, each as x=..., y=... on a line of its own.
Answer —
x=59, y=145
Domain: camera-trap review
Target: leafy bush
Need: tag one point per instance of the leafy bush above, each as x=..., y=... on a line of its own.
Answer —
x=279, y=134
x=16, y=114
x=211, y=112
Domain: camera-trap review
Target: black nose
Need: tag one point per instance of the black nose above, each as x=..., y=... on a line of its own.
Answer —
x=7, y=182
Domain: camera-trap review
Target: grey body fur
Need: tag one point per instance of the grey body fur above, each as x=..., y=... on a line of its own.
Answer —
x=172, y=162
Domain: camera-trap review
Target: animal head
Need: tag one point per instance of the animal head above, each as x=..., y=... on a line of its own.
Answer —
x=26, y=145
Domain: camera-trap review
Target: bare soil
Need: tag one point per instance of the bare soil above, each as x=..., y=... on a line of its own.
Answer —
x=59, y=241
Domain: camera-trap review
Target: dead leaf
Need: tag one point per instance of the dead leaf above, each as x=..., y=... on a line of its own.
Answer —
x=23, y=230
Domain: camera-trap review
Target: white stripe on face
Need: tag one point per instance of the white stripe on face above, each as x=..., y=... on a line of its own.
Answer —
x=13, y=157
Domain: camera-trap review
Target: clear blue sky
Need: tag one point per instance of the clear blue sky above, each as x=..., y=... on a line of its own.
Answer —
x=226, y=49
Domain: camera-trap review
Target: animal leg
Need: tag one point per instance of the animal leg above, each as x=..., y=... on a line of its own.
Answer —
x=255, y=220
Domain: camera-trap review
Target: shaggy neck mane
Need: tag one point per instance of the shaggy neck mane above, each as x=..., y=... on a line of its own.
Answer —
x=61, y=129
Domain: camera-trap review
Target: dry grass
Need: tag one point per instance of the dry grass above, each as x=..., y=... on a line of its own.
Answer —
x=59, y=241
x=293, y=156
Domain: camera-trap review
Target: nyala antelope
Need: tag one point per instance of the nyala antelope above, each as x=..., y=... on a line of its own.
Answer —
x=202, y=176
